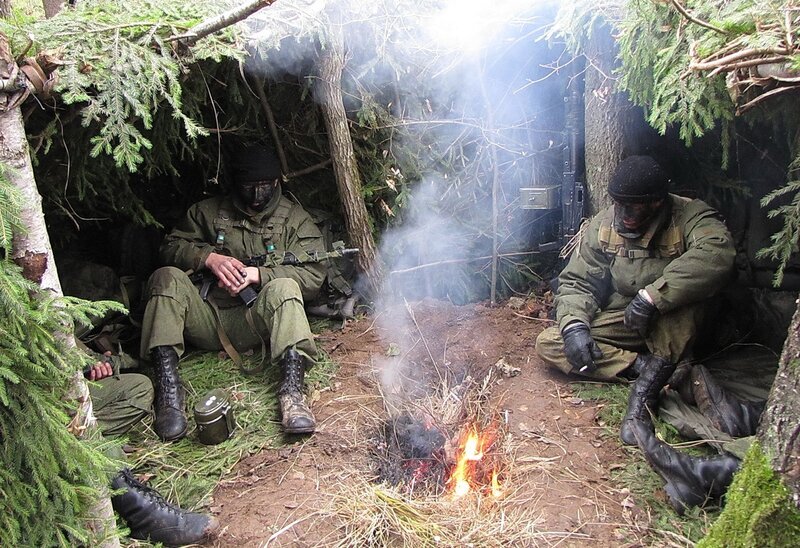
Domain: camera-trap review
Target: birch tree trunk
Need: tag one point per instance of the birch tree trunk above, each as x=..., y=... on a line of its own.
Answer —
x=328, y=90
x=32, y=251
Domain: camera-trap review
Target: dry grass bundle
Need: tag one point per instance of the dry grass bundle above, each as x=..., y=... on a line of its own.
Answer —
x=379, y=515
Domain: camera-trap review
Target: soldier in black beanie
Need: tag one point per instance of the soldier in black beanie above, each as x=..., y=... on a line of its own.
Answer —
x=629, y=303
x=217, y=235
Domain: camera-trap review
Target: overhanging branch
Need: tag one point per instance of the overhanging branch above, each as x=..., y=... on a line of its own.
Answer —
x=215, y=24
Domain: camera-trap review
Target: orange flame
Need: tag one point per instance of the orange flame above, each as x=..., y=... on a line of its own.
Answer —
x=463, y=476
x=497, y=490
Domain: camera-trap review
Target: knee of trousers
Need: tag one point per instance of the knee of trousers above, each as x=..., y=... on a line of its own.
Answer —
x=550, y=348
x=280, y=290
x=168, y=281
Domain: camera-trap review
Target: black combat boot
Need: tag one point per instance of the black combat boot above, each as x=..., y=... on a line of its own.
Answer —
x=737, y=418
x=643, y=398
x=691, y=481
x=170, y=400
x=297, y=417
x=150, y=517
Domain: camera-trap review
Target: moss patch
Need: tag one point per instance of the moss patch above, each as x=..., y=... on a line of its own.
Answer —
x=758, y=511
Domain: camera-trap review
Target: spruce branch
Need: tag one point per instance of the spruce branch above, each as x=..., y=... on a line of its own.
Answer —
x=778, y=53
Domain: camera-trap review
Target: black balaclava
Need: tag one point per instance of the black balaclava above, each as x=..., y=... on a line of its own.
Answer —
x=638, y=188
x=256, y=174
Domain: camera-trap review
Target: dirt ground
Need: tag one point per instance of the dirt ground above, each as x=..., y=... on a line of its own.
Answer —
x=563, y=454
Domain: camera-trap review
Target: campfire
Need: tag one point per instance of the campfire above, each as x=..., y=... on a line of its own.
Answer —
x=444, y=447
x=474, y=469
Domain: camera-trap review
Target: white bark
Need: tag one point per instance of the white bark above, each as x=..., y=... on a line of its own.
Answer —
x=31, y=250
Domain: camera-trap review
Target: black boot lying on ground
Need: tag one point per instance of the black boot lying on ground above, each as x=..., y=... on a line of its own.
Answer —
x=297, y=417
x=691, y=481
x=737, y=418
x=643, y=399
x=150, y=517
x=170, y=423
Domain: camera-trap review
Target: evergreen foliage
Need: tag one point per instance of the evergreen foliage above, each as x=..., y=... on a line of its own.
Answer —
x=687, y=64
x=660, y=50
x=49, y=478
x=126, y=82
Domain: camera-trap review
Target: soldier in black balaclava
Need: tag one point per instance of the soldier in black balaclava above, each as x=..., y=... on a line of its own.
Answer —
x=217, y=234
x=631, y=298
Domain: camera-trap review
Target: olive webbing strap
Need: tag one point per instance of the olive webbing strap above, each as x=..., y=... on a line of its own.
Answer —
x=223, y=337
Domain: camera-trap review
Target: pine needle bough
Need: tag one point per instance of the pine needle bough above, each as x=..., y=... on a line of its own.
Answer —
x=701, y=65
x=49, y=478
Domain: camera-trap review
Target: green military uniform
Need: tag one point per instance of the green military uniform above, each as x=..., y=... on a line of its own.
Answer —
x=120, y=401
x=176, y=313
x=684, y=257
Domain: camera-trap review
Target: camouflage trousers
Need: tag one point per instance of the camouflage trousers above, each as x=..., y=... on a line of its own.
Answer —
x=176, y=315
x=671, y=337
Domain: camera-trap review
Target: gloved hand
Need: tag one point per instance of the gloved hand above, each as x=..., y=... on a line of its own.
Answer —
x=639, y=314
x=580, y=348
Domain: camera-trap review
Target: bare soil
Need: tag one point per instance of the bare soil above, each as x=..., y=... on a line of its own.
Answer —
x=564, y=455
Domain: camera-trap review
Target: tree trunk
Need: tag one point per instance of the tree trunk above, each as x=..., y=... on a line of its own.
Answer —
x=779, y=431
x=328, y=91
x=608, y=117
x=52, y=7
x=32, y=251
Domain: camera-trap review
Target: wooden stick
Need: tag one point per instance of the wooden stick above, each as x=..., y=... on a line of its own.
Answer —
x=457, y=261
x=273, y=127
x=219, y=22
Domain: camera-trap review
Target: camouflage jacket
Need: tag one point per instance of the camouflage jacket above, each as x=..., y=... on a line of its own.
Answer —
x=685, y=256
x=221, y=225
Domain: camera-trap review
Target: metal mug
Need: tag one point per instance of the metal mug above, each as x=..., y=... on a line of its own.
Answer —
x=213, y=416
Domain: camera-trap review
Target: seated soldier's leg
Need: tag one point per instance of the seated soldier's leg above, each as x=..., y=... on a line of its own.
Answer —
x=669, y=340
x=121, y=401
x=174, y=310
x=279, y=311
x=734, y=416
x=690, y=481
x=150, y=517
x=618, y=344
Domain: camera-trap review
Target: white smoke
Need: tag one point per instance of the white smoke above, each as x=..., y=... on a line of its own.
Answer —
x=462, y=70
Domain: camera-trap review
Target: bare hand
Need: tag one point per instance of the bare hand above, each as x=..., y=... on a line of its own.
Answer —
x=252, y=276
x=101, y=370
x=230, y=272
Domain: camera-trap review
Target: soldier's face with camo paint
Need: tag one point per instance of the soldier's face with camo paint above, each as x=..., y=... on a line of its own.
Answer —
x=256, y=194
x=632, y=218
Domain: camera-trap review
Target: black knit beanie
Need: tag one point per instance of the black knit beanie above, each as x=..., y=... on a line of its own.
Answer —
x=638, y=179
x=254, y=162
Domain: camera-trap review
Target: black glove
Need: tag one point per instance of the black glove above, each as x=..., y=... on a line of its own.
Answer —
x=580, y=348
x=639, y=314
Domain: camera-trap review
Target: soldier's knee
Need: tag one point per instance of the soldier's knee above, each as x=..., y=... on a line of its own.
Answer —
x=166, y=281
x=550, y=348
x=140, y=389
x=283, y=289
x=165, y=276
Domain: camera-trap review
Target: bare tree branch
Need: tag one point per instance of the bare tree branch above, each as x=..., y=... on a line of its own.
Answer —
x=214, y=24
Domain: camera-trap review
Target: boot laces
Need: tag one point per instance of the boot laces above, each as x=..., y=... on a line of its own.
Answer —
x=168, y=387
x=292, y=377
x=149, y=493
